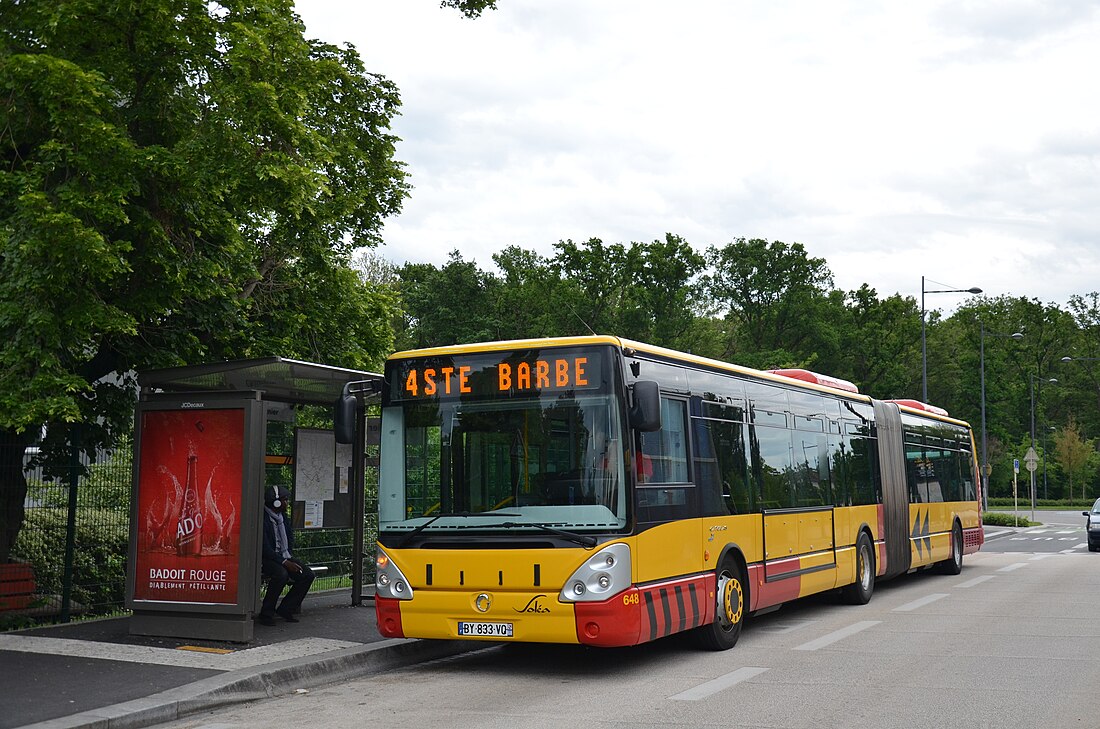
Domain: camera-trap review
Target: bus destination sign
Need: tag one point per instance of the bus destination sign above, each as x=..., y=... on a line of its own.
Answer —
x=508, y=374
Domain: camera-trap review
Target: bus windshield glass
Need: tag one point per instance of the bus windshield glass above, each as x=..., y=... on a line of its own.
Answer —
x=505, y=443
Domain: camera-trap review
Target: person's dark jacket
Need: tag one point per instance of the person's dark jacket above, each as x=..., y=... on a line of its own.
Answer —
x=270, y=552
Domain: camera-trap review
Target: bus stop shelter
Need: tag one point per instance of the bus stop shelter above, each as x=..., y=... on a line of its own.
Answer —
x=200, y=448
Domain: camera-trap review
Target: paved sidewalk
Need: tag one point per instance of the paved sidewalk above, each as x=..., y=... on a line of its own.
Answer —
x=95, y=674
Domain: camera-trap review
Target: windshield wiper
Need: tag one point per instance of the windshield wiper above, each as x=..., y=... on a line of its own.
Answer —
x=584, y=541
x=408, y=537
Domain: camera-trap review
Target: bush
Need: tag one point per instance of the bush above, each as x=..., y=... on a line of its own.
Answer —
x=997, y=518
x=99, y=555
x=1025, y=503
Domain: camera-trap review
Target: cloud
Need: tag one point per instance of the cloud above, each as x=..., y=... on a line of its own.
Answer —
x=957, y=140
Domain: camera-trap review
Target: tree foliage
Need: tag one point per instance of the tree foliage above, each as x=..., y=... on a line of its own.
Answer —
x=182, y=181
x=768, y=303
x=772, y=294
x=1075, y=454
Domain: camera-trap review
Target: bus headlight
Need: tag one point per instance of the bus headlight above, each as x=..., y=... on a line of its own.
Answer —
x=602, y=575
x=389, y=582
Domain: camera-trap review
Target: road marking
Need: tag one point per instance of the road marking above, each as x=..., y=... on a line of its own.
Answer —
x=721, y=683
x=247, y=658
x=1069, y=532
x=997, y=534
x=836, y=635
x=1012, y=567
x=926, y=600
x=976, y=581
x=789, y=626
x=1038, y=557
x=1082, y=545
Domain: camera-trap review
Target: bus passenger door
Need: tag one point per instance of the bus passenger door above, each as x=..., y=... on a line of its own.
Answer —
x=792, y=466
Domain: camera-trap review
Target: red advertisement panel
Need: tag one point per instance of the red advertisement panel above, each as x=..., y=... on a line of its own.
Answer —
x=189, y=505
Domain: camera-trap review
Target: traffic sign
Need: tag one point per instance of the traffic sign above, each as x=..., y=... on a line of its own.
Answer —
x=1015, y=465
x=1031, y=460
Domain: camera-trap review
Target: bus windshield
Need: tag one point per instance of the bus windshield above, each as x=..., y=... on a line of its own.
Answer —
x=505, y=465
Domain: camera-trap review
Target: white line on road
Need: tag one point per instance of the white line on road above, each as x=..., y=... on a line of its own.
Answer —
x=926, y=600
x=789, y=626
x=1082, y=545
x=836, y=635
x=1012, y=567
x=721, y=683
x=976, y=581
x=1038, y=557
x=997, y=534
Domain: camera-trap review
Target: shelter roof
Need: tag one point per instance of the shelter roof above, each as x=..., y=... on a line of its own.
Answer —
x=278, y=378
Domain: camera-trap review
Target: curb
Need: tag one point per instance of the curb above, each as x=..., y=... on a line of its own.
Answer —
x=261, y=682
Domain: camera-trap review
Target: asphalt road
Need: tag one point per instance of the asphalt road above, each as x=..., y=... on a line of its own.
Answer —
x=1007, y=643
x=1060, y=532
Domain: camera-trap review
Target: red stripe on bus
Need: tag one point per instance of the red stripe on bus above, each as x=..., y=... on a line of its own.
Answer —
x=639, y=615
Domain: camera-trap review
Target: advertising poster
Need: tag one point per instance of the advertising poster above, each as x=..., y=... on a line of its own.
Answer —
x=189, y=505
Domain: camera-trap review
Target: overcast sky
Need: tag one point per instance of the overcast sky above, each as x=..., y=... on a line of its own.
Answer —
x=956, y=140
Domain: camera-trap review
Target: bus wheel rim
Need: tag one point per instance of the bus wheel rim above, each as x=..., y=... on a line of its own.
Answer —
x=732, y=601
x=865, y=567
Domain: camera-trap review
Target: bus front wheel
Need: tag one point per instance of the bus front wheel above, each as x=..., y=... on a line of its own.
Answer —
x=723, y=633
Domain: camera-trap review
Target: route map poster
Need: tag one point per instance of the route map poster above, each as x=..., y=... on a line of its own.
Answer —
x=189, y=505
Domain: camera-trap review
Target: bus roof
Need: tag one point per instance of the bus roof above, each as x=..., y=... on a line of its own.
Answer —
x=629, y=346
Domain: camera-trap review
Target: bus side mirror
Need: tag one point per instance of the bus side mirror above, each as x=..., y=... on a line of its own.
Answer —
x=645, y=413
x=344, y=418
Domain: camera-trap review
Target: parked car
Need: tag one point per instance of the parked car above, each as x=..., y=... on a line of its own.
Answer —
x=1092, y=526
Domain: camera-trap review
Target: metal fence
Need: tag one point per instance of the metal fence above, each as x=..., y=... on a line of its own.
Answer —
x=69, y=561
x=74, y=535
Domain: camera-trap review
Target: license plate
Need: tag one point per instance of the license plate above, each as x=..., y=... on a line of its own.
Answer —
x=485, y=630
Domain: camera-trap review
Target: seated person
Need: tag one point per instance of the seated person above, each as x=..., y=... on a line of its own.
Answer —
x=279, y=564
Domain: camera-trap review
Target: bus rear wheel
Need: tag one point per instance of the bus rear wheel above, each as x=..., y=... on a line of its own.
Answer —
x=953, y=565
x=859, y=592
x=722, y=634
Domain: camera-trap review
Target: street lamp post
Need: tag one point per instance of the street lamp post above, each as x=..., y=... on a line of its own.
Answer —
x=923, y=338
x=985, y=453
x=1033, y=380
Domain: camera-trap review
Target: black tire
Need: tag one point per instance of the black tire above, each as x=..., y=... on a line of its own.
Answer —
x=859, y=592
x=953, y=565
x=1094, y=547
x=732, y=599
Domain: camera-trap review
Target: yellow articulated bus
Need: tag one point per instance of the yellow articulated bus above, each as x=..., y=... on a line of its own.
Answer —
x=605, y=492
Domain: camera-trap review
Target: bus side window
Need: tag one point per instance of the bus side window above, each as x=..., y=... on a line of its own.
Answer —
x=666, y=448
x=721, y=468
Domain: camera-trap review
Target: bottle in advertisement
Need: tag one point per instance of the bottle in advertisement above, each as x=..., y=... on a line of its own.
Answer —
x=189, y=529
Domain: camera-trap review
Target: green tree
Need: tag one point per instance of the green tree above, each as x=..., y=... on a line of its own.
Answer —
x=448, y=305
x=665, y=301
x=181, y=181
x=1082, y=373
x=470, y=8
x=1075, y=455
x=530, y=300
x=879, y=343
x=773, y=296
x=598, y=278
